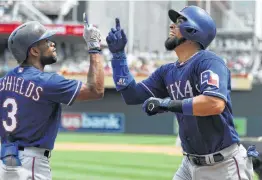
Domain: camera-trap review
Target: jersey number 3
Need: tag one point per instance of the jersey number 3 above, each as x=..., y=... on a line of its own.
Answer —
x=11, y=114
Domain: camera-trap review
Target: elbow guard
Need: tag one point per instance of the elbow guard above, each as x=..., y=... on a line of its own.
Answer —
x=121, y=75
x=134, y=94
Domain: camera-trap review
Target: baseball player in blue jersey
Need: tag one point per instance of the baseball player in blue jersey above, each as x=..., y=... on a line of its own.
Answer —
x=31, y=99
x=197, y=89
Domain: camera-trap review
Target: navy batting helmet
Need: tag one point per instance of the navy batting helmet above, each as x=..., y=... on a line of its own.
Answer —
x=24, y=36
x=198, y=27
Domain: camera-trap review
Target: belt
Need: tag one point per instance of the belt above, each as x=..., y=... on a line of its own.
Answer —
x=46, y=152
x=201, y=160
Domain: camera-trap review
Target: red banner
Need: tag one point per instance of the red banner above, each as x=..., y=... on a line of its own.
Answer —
x=67, y=30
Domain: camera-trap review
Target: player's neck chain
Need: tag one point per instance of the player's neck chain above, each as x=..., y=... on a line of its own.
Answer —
x=189, y=58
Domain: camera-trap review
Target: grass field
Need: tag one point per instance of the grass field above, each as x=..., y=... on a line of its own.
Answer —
x=95, y=165
x=116, y=138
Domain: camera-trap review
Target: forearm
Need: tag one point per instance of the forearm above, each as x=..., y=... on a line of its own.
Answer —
x=198, y=106
x=121, y=75
x=131, y=92
x=95, y=76
x=93, y=89
x=207, y=105
x=134, y=94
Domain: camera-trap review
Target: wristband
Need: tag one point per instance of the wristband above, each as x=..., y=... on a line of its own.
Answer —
x=187, y=106
x=119, y=55
x=175, y=106
x=94, y=51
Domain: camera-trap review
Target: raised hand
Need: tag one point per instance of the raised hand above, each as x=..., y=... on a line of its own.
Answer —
x=92, y=36
x=116, y=39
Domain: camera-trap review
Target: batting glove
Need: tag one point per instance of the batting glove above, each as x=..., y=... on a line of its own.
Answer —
x=92, y=36
x=154, y=105
x=116, y=41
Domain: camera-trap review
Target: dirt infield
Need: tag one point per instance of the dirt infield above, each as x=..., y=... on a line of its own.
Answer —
x=170, y=150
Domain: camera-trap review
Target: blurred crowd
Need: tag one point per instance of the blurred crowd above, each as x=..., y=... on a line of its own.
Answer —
x=140, y=64
x=5, y=11
x=74, y=60
x=73, y=56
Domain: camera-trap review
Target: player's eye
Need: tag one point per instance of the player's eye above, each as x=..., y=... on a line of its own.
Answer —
x=172, y=26
x=50, y=43
x=180, y=20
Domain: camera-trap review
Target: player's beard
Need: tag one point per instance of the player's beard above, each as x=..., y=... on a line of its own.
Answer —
x=47, y=60
x=172, y=42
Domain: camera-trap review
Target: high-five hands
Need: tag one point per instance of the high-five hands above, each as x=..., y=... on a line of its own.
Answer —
x=116, y=39
x=92, y=36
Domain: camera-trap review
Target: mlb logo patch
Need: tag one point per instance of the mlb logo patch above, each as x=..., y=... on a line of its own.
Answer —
x=20, y=70
x=121, y=82
x=210, y=78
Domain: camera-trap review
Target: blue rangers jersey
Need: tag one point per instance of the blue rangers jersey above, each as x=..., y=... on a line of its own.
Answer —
x=31, y=105
x=204, y=73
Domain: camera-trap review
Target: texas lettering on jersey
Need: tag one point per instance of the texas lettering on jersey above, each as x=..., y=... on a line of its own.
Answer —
x=18, y=85
x=179, y=91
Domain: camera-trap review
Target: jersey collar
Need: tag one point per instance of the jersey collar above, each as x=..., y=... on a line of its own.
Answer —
x=178, y=64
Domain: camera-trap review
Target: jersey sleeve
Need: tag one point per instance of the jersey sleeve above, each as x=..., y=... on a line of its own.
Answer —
x=61, y=90
x=213, y=78
x=155, y=84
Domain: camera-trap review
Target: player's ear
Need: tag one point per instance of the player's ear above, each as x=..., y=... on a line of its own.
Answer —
x=34, y=51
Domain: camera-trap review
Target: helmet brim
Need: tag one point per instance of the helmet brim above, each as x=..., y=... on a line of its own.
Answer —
x=173, y=15
x=48, y=34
